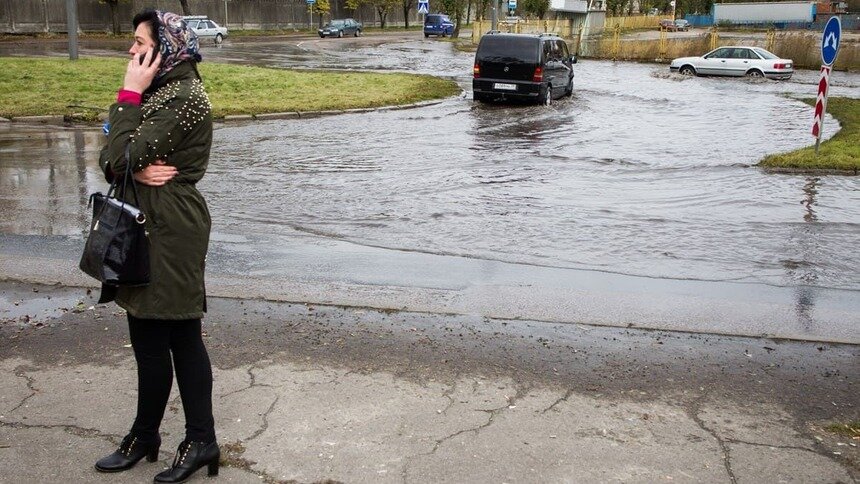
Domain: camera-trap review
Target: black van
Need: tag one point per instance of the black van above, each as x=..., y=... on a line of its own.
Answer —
x=535, y=67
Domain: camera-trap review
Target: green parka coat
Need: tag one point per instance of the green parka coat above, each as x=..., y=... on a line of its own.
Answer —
x=174, y=124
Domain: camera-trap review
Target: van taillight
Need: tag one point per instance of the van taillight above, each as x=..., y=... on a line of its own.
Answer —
x=538, y=77
x=476, y=71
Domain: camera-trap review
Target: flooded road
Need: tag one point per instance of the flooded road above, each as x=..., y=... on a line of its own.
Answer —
x=640, y=174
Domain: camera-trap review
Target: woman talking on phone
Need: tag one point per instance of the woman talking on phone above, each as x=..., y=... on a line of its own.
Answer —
x=161, y=124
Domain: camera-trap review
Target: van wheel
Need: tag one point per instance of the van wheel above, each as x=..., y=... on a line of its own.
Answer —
x=219, y=38
x=569, y=91
x=426, y=35
x=547, y=98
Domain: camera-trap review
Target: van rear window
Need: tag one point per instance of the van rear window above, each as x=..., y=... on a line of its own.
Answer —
x=511, y=48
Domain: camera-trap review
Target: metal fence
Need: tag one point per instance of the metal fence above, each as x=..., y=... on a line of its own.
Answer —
x=29, y=16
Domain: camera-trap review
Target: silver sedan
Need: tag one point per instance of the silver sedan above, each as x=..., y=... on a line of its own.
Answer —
x=735, y=61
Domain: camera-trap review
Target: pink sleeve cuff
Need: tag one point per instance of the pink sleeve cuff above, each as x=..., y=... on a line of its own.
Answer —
x=128, y=97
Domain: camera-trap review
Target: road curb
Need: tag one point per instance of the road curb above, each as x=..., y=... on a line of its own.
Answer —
x=66, y=120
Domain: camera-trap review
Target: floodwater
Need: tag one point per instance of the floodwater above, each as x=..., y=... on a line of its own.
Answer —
x=641, y=173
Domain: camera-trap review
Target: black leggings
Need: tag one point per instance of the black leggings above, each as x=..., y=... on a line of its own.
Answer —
x=153, y=341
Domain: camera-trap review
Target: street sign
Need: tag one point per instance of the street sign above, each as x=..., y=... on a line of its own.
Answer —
x=821, y=102
x=830, y=40
x=512, y=4
x=829, y=48
x=423, y=7
x=311, y=2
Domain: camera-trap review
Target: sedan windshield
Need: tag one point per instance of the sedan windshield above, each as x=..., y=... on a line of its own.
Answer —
x=336, y=24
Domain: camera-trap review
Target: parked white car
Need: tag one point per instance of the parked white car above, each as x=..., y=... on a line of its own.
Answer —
x=735, y=61
x=205, y=28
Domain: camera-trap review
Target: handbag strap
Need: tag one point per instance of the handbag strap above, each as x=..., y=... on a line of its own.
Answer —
x=129, y=176
x=114, y=185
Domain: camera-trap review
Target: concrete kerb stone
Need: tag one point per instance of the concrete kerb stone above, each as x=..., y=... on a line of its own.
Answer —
x=60, y=120
x=286, y=115
x=5, y=120
x=47, y=119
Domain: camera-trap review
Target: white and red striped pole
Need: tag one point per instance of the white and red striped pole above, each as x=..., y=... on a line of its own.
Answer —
x=821, y=105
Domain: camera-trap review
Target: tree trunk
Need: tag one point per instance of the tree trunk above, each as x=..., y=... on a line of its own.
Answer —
x=382, y=14
x=458, y=18
x=114, y=16
x=185, y=9
x=406, y=7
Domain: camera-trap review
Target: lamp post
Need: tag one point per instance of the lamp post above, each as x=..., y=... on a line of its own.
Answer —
x=72, y=27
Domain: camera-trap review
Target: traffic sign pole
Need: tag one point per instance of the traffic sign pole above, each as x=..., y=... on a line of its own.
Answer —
x=829, y=49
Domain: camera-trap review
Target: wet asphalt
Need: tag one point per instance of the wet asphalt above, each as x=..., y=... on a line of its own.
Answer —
x=341, y=283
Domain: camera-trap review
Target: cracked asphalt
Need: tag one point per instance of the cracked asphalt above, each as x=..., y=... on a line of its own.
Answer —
x=313, y=393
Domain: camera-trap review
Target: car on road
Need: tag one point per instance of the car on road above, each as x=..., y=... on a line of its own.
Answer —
x=735, y=61
x=532, y=67
x=205, y=28
x=682, y=25
x=438, y=24
x=340, y=27
x=668, y=25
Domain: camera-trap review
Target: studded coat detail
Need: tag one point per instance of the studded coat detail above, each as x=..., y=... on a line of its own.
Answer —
x=174, y=124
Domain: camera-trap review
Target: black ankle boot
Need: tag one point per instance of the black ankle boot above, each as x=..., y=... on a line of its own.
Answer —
x=191, y=456
x=130, y=451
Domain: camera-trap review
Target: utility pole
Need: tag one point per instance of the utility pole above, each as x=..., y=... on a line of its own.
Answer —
x=495, y=21
x=72, y=27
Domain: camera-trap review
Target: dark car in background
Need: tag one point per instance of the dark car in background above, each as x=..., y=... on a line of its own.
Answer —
x=668, y=25
x=438, y=24
x=533, y=67
x=340, y=27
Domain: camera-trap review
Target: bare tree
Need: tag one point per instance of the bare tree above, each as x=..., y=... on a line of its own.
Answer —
x=407, y=6
x=114, y=15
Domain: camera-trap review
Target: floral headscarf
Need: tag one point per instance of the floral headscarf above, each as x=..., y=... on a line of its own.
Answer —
x=178, y=42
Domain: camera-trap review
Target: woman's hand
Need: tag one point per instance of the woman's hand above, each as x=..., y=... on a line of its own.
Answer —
x=139, y=76
x=156, y=174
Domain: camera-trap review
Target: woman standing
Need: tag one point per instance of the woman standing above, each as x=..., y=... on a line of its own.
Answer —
x=161, y=124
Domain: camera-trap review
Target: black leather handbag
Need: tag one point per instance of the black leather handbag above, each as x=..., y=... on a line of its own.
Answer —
x=117, y=248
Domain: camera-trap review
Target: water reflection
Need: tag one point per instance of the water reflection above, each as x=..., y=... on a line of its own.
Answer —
x=805, y=270
x=46, y=175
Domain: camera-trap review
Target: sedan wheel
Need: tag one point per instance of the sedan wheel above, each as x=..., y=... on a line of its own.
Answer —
x=755, y=73
x=687, y=71
x=219, y=38
x=358, y=33
x=547, y=99
x=340, y=34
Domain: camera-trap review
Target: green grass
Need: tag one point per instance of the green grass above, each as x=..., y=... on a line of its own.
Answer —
x=38, y=86
x=841, y=152
x=851, y=429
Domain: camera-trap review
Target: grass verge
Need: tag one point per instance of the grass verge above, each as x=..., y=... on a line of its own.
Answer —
x=38, y=86
x=841, y=152
x=850, y=429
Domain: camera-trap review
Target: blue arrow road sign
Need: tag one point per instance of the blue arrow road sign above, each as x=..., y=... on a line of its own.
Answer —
x=830, y=40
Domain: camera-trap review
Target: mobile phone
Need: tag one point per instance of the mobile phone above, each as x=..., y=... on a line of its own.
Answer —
x=150, y=60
